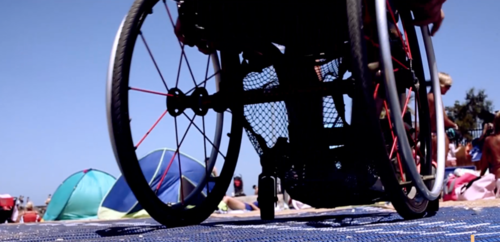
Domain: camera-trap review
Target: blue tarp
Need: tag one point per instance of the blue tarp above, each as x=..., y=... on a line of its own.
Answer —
x=120, y=202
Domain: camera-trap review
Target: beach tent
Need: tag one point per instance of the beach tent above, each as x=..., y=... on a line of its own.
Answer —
x=120, y=202
x=79, y=196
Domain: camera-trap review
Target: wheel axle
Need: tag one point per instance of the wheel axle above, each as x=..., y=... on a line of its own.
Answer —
x=200, y=101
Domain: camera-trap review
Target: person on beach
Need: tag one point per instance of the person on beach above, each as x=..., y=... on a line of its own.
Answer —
x=29, y=215
x=445, y=82
x=490, y=159
x=236, y=204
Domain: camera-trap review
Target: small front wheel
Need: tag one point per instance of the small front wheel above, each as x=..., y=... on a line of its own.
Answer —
x=267, y=196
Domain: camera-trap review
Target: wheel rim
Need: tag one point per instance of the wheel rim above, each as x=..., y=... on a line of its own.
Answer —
x=390, y=85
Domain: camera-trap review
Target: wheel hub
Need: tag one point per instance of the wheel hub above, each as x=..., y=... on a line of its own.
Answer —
x=198, y=101
x=175, y=104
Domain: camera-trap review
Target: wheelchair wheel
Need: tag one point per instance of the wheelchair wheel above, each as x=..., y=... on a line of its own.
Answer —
x=198, y=196
x=407, y=188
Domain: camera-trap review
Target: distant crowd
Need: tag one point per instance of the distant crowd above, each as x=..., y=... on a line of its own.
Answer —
x=21, y=211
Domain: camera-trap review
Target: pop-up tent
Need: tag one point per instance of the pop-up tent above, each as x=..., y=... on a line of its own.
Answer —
x=120, y=202
x=79, y=196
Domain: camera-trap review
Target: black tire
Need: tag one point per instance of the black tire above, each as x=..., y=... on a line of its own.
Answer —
x=425, y=137
x=123, y=143
x=406, y=207
x=433, y=206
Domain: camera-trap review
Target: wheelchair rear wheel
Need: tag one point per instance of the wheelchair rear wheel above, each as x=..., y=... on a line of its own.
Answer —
x=395, y=165
x=199, y=194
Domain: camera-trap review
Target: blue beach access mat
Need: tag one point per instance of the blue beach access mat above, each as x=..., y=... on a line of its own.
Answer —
x=353, y=224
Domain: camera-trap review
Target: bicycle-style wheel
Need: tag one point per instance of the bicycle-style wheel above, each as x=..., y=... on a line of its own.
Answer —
x=198, y=193
x=408, y=192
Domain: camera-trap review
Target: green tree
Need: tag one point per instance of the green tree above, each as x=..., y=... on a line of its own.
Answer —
x=465, y=114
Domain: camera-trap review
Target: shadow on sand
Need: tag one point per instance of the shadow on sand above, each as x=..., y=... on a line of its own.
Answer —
x=309, y=220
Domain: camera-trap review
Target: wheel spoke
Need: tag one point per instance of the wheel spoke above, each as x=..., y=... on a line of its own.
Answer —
x=205, y=150
x=376, y=91
x=394, y=138
x=179, y=71
x=149, y=91
x=180, y=43
x=402, y=115
x=203, y=122
x=188, y=65
x=166, y=170
x=422, y=145
x=406, y=47
x=399, y=32
x=206, y=138
x=393, y=58
x=415, y=140
x=169, y=14
x=179, y=159
x=203, y=82
x=151, y=129
x=206, y=71
x=153, y=59
x=175, y=154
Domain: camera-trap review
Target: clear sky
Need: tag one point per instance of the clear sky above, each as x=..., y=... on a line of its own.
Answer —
x=54, y=57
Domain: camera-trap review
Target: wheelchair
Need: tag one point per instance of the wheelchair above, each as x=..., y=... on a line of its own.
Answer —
x=280, y=73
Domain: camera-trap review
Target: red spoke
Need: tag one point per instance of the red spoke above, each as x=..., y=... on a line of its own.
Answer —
x=406, y=38
x=376, y=91
x=168, y=95
x=151, y=129
x=149, y=91
x=394, y=143
x=407, y=101
x=393, y=136
x=153, y=59
x=394, y=59
x=172, y=159
x=392, y=133
x=394, y=139
x=402, y=115
x=166, y=171
x=399, y=33
x=406, y=47
x=408, y=44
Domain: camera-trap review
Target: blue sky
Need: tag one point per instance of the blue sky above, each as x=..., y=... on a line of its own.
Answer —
x=53, y=62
